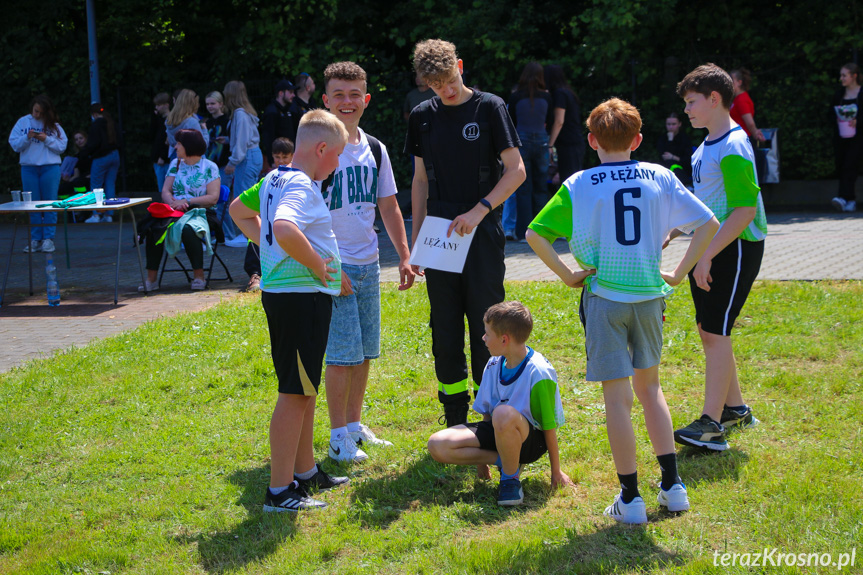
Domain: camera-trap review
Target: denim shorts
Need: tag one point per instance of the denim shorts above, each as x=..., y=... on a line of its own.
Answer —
x=355, y=329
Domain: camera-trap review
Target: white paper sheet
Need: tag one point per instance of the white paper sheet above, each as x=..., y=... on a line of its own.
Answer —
x=436, y=251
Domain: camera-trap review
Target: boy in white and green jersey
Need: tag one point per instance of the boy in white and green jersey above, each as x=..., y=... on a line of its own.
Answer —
x=723, y=170
x=616, y=217
x=520, y=406
x=300, y=274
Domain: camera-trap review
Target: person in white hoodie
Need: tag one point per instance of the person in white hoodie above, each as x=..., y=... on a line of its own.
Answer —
x=40, y=140
x=246, y=158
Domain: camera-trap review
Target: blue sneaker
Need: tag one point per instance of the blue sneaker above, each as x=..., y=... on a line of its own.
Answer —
x=510, y=492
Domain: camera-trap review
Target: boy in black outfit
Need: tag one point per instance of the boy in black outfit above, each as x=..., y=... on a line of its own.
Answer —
x=459, y=139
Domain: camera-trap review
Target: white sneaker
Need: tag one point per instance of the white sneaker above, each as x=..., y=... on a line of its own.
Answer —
x=94, y=219
x=148, y=286
x=674, y=499
x=632, y=512
x=198, y=284
x=366, y=436
x=238, y=242
x=346, y=450
x=106, y=219
x=48, y=246
x=851, y=206
x=34, y=246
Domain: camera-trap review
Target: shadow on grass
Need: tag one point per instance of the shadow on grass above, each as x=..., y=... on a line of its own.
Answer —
x=611, y=549
x=254, y=539
x=376, y=503
x=697, y=465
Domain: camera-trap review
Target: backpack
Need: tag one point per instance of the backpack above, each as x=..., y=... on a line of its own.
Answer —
x=375, y=146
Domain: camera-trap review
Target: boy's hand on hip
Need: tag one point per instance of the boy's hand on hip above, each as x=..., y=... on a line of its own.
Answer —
x=670, y=278
x=322, y=270
x=576, y=278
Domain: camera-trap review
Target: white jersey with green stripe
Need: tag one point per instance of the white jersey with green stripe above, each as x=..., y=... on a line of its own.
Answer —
x=723, y=171
x=531, y=390
x=289, y=194
x=615, y=217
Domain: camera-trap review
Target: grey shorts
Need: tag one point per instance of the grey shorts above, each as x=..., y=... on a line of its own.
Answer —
x=620, y=337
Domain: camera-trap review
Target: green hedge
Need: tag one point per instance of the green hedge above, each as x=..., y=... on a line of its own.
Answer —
x=635, y=49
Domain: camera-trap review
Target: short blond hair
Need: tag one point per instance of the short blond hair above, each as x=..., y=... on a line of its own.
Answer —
x=614, y=123
x=510, y=318
x=321, y=126
x=435, y=60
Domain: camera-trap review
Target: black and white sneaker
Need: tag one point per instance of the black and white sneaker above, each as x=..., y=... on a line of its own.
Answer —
x=292, y=499
x=322, y=481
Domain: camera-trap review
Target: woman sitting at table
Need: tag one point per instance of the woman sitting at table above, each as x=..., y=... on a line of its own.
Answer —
x=192, y=182
x=80, y=176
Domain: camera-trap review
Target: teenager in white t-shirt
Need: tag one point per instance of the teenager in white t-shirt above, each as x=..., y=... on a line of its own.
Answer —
x=356, y=187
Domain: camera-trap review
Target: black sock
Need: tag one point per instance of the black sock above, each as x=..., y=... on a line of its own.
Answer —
x=628, y=487
x=668, y=465
x=737, y=408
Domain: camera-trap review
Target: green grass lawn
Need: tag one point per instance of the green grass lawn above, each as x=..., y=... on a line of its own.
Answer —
x=147, y=453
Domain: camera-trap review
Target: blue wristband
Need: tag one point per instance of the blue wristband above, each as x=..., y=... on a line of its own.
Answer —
x=486, y=203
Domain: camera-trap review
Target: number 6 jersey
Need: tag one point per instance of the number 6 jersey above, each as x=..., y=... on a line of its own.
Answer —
x=615, y=218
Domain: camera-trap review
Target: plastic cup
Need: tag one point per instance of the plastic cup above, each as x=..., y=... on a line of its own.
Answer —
x=16, y=196
x=28, y=196
x=100, y=196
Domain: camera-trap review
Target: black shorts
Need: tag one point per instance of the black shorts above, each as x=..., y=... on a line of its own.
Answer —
x=532, y=449
x=733, y=271
x=299, y=325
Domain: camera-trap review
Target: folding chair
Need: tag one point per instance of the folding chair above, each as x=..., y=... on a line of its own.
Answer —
x=224, y=199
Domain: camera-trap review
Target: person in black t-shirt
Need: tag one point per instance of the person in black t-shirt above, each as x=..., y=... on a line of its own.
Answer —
x=565, y=135
x=460, y=138
x=277, y=122
x=304, y=87
x=675, y=149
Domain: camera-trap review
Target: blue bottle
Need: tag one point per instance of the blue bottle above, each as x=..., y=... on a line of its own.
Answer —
x=53, y=287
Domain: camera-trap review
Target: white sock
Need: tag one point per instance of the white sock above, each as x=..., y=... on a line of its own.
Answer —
x=338, y=434
x=308, y=474
x=354, y=427
x=277, y=490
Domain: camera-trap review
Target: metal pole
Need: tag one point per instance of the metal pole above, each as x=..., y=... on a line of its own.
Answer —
x=120, y=137
x=95, y=96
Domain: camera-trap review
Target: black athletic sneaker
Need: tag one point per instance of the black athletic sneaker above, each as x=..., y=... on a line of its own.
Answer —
x=454, y=415
x=321, y=481
x=732, y=418
x=292, y=499
x=703, y=432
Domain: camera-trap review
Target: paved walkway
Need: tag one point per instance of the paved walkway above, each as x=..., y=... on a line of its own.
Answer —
x=800, y=247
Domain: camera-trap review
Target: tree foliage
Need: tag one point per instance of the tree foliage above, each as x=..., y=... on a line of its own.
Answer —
x=636, y=49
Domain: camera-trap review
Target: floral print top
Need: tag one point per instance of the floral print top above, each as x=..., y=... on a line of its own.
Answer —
x=191, y=181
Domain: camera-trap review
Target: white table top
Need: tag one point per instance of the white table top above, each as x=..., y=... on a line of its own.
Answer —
x=24, y=207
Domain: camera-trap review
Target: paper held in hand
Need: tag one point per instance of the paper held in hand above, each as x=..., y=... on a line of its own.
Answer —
x=436, y=251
